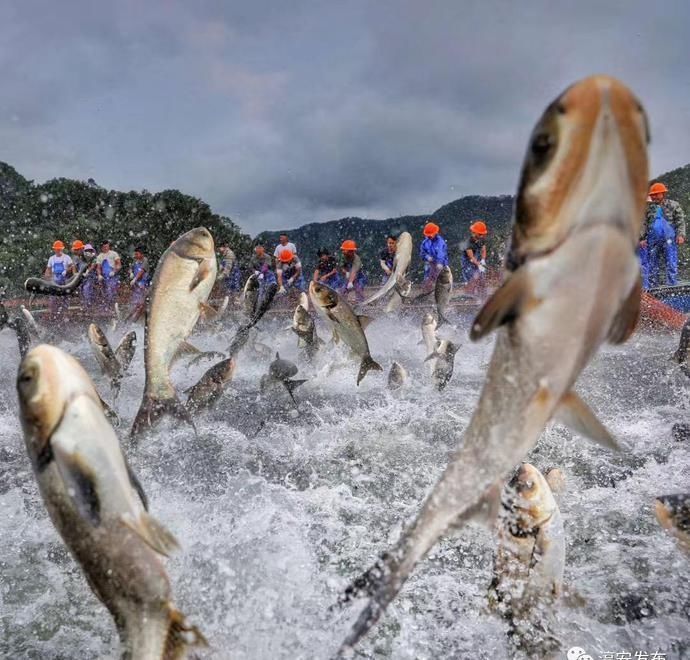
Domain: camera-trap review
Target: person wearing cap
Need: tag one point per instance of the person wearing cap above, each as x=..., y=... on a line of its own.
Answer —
x=77, y=256
x=108, y=265
x=351, y=269
x=473, y=259
x=139, y=278
x=663, y=230
x=229, y=270
x=387, y=257
x=283, y=244
x=88, y=285
x=57, y=270
x=289, y=272
x=327, y=269
x=434, y=253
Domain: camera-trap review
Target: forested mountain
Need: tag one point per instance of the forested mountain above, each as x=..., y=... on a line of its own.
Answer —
x=33, y=216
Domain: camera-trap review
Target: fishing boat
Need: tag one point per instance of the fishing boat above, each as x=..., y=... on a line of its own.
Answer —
x=676, y=296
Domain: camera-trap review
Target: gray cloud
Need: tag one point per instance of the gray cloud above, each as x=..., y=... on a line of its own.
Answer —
x=283, y=113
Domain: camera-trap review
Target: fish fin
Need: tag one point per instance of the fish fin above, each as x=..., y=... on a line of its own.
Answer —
x=503, y=307
x=152, y=410
x=291, y=386
x=332, y=317
x=433, y=356
x=364, y=321
x=151, y=532
x=207, y=312
x=136, y=484
x=81, y=485
x=120, y=350
x=336, y=336
x=202, y=272
x=626, y=320
x=368, y=363
x=109, y=413
x=578, y=416
x=180, y=635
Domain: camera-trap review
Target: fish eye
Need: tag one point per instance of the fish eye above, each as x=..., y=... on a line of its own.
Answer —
x=542, y=143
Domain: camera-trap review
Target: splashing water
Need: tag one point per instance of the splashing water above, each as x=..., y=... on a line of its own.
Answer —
x=278, y=509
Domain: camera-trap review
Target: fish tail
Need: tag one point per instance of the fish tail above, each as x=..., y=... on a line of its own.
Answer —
x=368, y=363
x=181, y=636
x=152, y=409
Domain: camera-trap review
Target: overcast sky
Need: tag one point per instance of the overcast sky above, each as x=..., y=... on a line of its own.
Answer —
x=280, y=113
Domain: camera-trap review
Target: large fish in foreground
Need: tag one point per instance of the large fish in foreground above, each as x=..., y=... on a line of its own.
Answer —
x=346, y=325
x=98, y=506
x=183, y=281
x=573, y=283
x=401, y=262
x=304, y=327
x=529, y=561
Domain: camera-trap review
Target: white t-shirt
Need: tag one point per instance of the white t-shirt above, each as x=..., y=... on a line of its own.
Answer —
x=280, y=248
x=111, y=256
x=63, y=259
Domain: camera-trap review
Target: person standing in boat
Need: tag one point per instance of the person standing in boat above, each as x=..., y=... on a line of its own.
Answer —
x=57, y=270
x=289, y=272
x=108, y=265
x=88, y=285
x=387, y=257
x=663, y=230
x=262, y=265
x=434, y=253
x=139, y=280
x=353, y=275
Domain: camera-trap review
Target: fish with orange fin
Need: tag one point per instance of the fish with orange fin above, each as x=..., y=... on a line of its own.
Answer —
x=572, y=283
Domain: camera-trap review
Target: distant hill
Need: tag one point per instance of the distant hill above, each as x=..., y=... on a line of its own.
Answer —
x=33, y=216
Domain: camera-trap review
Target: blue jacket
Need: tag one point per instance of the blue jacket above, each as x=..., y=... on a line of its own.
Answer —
x=435, y=248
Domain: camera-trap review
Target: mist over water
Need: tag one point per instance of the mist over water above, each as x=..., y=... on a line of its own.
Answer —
x=277, y=509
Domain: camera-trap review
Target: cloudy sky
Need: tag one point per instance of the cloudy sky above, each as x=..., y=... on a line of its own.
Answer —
x=283, y=112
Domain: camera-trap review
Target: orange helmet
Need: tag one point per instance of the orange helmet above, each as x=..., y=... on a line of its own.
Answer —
x=348, y=245
x=431, y=229
x=77, y=245
x=658, y=189
x=58, y=245
x=285, y=256
x=479, y=228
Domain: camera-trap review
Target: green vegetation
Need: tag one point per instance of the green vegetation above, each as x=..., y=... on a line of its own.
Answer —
x=33, y=216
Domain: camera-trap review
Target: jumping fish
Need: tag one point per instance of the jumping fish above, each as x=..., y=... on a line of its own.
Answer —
x=125, y=350
x=105, y=356
x=48, y=288
x=98, y=506
x=529, y=561
x=348, y=325
x=580, y=201
x=396, y=376
x=211, y=385
x=401, y=262
x=183, y=281
x=673, y=512
x=304, y=327
x=444, y=360
x=442, y=290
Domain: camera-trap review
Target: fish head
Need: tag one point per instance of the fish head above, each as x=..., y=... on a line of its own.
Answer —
x=47, y=382
x=528, y=500
x=224, y=371
x=428, y=320
x=323, y=296
x=96, y=335
x=445, y=277
x=586, y=164
x=197, y=243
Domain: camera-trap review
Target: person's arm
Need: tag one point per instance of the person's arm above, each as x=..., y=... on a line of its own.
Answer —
x=484, y=252
x=279, y=275
x=443, y=253
x=384, y=267
x=48, y=273
x=470, y=255
x=317, y=277
x=356, y=265
x=424, y=252
x=644, y=229
x=99, y=267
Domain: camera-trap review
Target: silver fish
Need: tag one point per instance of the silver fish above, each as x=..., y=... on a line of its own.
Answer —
x=401, y=262
x=183, y=281
x=346, y=324
x=444, y=361
x=250, y=295
x=211, y=385
x=105, y=356
x=551, y=314
x=396, y=376
x=430, y=339
x=98, y=506
x=280, y=372
x=304, y=327
x=529, y=561
x=442, y=290
x=125, y=350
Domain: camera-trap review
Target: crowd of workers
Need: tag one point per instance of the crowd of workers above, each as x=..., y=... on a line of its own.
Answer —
x=663, y=230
